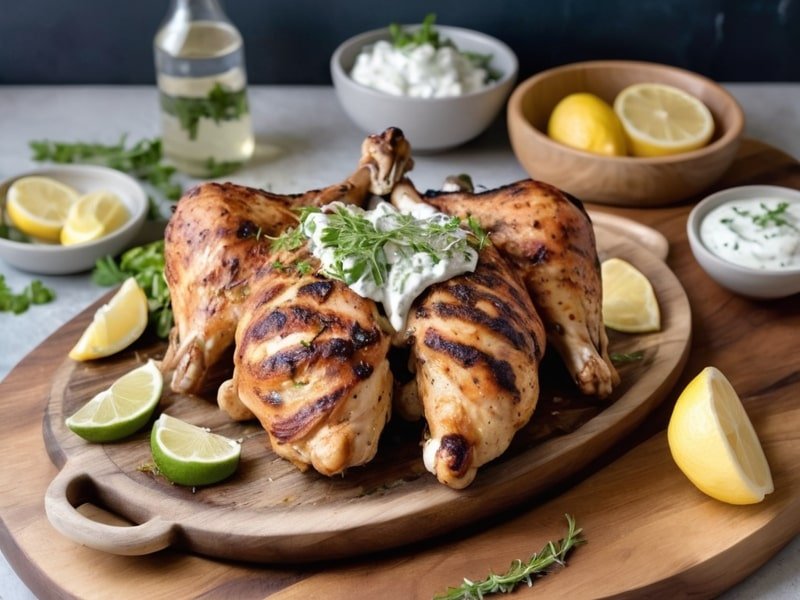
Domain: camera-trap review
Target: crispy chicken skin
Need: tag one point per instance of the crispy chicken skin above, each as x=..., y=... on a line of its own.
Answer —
x=548, y=239
x=476, y=343
x=311, y=364
x=217, y=239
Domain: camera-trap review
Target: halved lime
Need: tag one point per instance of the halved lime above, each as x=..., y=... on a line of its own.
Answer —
x=190, y=455
x=121, y=410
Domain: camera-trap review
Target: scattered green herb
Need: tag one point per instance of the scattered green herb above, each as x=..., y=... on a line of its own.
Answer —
x=303, y=267
x=34, y=293
x=619, y=358
x=481, y=236
x=220, y=169
x=146, y=264
x=220, y=104
x=538, y=565
x=142, y=160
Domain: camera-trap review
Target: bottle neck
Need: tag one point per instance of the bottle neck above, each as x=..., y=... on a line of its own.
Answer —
x=195, y=10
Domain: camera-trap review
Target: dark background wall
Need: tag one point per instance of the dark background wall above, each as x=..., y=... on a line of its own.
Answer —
x=290, y=41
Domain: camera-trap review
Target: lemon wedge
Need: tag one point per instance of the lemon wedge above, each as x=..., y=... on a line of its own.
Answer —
x=660, y=119
x=93, y=216
x=714, y=443
x=116, y=325
x=190, y=455
x=121, y=410
x=629, y=302
x=38, y=206
x=587, y=122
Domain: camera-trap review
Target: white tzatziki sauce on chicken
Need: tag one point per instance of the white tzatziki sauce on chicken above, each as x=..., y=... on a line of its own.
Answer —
x=418, y=71
x=389, y=256
x=760, y=233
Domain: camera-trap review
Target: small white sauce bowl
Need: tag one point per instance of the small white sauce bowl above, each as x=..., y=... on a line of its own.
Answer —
x=746, y=281
x=55, y=259
x=429, y=124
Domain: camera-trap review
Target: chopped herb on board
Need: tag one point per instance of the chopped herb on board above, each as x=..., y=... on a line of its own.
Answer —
x=34, y=293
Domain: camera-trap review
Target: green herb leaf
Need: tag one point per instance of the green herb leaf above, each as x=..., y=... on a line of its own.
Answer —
x=619, y=358
x=538, y=565
x=221, y=104
x=34, y=293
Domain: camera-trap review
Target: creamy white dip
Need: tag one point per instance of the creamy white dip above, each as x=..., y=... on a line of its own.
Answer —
x=418, y=71
x=409, y=270
x=760, y=233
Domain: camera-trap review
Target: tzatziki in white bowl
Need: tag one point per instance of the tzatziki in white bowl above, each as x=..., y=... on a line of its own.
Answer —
x=748, y=239
x=436, y=96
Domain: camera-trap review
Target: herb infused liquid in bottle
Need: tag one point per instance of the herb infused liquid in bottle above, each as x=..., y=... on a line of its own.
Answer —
x=205, y=116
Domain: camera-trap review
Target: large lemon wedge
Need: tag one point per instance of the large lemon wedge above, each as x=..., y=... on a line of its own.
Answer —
x=92, y=217
x=713, y=441
x=115, y=326
x=660, y=119
x=38, y=206
x=629, y=302
x=587, y=122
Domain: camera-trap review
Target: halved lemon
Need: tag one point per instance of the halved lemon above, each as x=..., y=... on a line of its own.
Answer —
x=587, y=122
x=115, y=326
x=93, y=216
x=661, y=119
x=191, y=455
x=121, y=410
x=714, y=443
x=629, y=302
x=38, y=206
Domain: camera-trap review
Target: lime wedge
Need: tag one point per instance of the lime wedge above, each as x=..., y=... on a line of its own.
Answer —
x=190, y=455
x=121, y=410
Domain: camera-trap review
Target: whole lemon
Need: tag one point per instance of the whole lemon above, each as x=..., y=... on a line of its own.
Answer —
x=587, y=122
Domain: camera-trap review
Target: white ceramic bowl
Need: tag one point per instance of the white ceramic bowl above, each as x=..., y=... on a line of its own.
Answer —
x=54, y=259
x=429, y=124
x=746, y=281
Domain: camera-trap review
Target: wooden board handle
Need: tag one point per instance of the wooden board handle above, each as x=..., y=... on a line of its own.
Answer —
x=59, y=503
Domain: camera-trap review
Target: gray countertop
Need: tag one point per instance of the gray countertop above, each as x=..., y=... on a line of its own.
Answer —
x=305, y=141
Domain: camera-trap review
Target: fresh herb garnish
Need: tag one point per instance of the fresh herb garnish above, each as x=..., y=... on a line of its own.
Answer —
x=34, y=293
x=142, y=160
x=538, y=565
x=220, y=169
x=771, y=216
x=619, y=358
x=220, y=104
x=146, y=265
x=481, y=236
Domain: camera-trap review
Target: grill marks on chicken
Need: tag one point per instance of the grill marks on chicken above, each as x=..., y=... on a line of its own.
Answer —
x=311, y=365
x=218, y=239
x=548, y=238
x=476, y=342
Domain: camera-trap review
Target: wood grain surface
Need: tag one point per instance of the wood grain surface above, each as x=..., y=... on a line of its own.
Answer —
x=650, y=531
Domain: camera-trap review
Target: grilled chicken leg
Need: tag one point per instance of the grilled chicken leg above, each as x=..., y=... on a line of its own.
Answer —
x=548, y=238
x=218, y=239
x=476, y=343
x=311, y=364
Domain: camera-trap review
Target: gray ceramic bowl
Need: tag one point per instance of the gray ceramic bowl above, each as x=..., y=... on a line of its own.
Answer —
x=746, y=281
x=429, y=124
x=54, y=259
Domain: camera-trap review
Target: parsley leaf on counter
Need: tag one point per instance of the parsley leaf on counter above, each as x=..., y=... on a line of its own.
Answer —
x=34, y=293
x=142, y=160
x=146, y=265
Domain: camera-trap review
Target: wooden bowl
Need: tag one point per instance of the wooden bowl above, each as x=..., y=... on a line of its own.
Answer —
x=627, y=180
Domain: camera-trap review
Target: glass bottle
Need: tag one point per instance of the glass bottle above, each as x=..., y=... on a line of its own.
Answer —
x=200, y=70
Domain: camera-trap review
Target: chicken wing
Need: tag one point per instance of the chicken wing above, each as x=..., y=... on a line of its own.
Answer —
x=548, y=238
x=311, y=364
x=476, y=344
x=218, y=238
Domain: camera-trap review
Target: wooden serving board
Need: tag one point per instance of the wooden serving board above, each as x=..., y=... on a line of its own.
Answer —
x=650, y=532
x=270, y=512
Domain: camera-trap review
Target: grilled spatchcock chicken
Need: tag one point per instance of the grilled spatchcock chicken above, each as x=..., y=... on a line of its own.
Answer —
x=311, y=355
x=476, y=345
x=548, y=239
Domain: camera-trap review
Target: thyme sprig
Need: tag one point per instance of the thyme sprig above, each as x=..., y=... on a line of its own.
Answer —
x=538, y=565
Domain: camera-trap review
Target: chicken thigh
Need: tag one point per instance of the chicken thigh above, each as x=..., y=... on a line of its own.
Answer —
x=548, y=239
